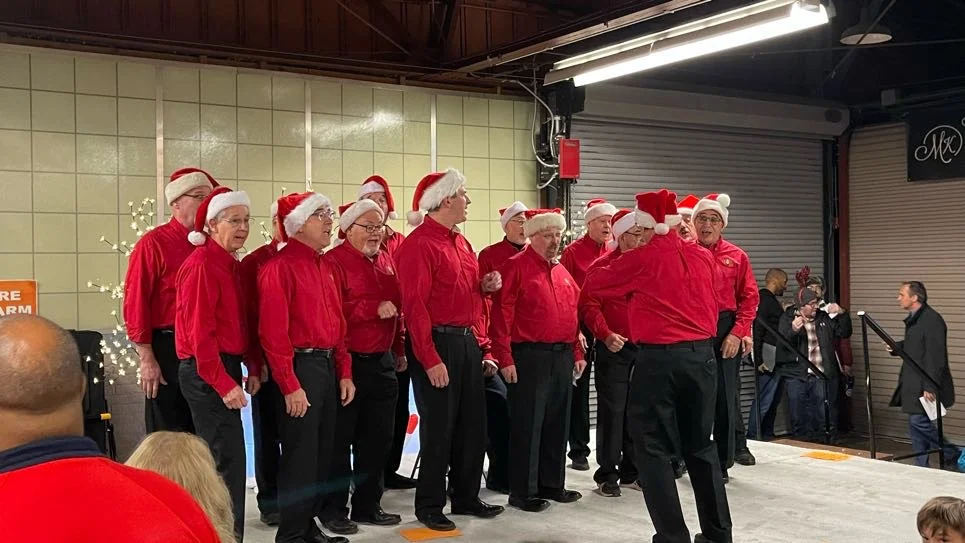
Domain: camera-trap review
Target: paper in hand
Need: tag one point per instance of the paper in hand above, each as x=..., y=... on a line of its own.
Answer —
x=931, y=409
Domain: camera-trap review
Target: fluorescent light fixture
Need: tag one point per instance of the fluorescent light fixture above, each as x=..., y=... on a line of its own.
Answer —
x=728, y=30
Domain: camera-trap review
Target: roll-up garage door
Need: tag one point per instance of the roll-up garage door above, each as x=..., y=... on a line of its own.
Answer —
x=775, y=183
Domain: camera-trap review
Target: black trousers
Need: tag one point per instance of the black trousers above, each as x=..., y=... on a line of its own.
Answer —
x=498, y=425
x=169, y=410
x=614, y=450
x=306, y=448
x=221, y=428
x=264, y=418
x=579, y=428
x=671, y=411
x=400, y=424
x=453, y=427
x=538, y=405
x=728, y=394
x=363, y=430
x=740, y=430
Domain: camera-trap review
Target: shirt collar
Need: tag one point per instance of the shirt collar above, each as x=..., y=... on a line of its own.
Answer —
x=299, y=249
x=218, y=254
x=47, y=450
x=531, y=253
x=514, y=245
x=181, y=230
x=439, y=228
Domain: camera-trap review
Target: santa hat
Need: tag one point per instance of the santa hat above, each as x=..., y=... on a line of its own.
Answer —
x=350, y=212
x=220, y=199
x=657, y=210
x=375, y=184
x=507, y=213
x=294, y=210
x=686, y=206
x=714, y=202
x=597, y=207
x=186, y=179
x=622, y=221
x=431, y=191
x=538, y=220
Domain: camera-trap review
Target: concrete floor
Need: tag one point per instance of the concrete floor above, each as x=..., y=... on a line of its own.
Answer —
x=784, y=498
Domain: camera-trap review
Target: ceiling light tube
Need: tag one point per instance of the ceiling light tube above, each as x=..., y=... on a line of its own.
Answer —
x=721, y=32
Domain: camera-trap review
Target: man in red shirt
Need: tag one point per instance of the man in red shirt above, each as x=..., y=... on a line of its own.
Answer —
x=672, y=311
x=369, y=287
x=442, y=299
x=607, y=321
x=46, y=463
x=577, y=258
x=265, y=405
x=212, y=338
x=302, y=332
x=149, y=292
x=685, y=208
x=738, y=297
x=536, y=341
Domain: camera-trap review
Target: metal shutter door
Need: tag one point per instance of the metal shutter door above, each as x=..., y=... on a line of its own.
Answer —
x=902, y=231
x=775, y=183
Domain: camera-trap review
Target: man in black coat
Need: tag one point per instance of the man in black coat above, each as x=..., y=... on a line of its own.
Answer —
x=813, y=332
x=925, y=343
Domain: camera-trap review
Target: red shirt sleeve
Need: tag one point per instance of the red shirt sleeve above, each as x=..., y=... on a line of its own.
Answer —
x=273, y=327
x=249, y=284
x=415, y=272
x=611, y=281
x=503, y=315
x=748, y=298
x=199, y=291
x=143, y=276
x=343, y=360
x=591, y=311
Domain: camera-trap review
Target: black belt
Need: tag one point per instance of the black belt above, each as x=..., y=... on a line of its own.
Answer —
x=320, y=352
x=453, y=330
x=555, y=347
x=688, y=345
x=368, y=355
x=164, y=330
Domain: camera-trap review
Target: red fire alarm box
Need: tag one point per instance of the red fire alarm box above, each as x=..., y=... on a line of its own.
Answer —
x=569, y=159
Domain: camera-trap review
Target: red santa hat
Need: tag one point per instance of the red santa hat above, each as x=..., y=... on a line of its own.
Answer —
x=294, y=210
x=376, y=184
x=622, y=221
x=714, y=202
x=431, y=191
x=186, y=179
x=657, y=210
x=350, y=212
x=220, y=199
x=686, y=206
x=507, y=213
x=597, y=207
x=538, y=220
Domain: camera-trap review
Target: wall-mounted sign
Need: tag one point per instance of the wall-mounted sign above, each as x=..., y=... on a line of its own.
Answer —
x=18, y=297
x=935, y=145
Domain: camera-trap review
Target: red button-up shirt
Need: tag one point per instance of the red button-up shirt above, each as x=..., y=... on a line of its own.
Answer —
x=669, y=287
x=391, y=242
x=736, y=286
x=439, y=279
x=604, y=317
x=364, y=284
x=301, y=308
x=211, y=314
x=250, y=267
x=150, y=286
x=536, y=304
x=578, y=256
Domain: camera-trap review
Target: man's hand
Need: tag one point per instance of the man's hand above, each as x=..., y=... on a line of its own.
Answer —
x=762, y=368
x=489, y=367
x=614, y=342
x=509, y=374
x=833, y=309
x=151, y=376
x=888, y=347
x=747, y=345
x=797, y=323
x=928, y=396
x=296, y=403
x=730, y=346
x=253, y=384
x=584, y=343
x=579, y=366
x=438, y=375
x=491, y=282
x=401, y=364
x=346, y=390
x=387, y=310
x=235, y=399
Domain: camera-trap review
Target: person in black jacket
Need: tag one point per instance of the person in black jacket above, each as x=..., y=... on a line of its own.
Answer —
x=813, y=332
x=925, y=343
x=770, y=385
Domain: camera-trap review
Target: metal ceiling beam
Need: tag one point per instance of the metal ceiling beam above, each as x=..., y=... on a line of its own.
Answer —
x=385, y=24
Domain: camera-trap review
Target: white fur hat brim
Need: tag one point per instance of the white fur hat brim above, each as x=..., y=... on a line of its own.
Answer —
x=373, y=187
x=298, y=216
x=719, y=206
x=646, y=220
x=516, y=208
x=180, y=186
x=599, y=210
x=225, y=200
x=356, y=210
x=541, y=222
x=685, y=211
x=625, y=223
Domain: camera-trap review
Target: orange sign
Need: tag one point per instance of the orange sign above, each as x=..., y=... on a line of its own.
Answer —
x=18, y=297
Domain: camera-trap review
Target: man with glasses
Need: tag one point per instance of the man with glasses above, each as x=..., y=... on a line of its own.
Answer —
x=737, y=299
x=369, y=288
x=303, y=331
x=149, y=299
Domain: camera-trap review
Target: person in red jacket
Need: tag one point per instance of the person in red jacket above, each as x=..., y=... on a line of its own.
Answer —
x=264, y=406
x=607, y=321
x=46, y=463
x=672, y=314
x=369, y=287
x=149, y=292
x=536, y=342
x=738, y=299
x=577, y=258
x=442, y=300
x=302, y=332
x=212, y=337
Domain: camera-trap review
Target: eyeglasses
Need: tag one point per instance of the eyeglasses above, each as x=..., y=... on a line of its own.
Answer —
x=518, y=222
x=323, y=214
x=198, y=197
x=709, y=220
x=237, y=223
x=370, y=228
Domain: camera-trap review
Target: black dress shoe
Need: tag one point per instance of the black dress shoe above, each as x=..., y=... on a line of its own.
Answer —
x=679, y=469
x=610, y=489
x=398, y=482
x=342, y=526
x=479, y=509
x=726, y=477
x=270, y=519
x=531, y=505
x=319, y=537
x=437, y=521
x=745, y=458
x=701, y=538
x=580, y=464
x=377, y=517
x=561, y=495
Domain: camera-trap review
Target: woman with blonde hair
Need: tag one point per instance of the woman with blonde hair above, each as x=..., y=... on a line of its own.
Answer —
x=186, y=460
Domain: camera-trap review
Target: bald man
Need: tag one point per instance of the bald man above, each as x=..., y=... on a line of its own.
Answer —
x=46, y=465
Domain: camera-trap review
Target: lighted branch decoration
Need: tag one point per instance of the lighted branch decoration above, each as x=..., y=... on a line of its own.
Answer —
x=572, y=234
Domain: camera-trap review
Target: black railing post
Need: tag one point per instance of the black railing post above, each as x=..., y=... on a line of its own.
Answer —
x=867, y=383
